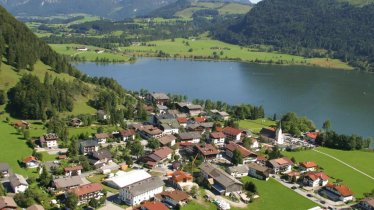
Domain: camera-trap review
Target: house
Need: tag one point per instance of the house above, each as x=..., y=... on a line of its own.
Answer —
x=157, y=156
x=307, y=166
x=220, y=115
x=18, y=183
x=268, y=134
x=153, y=205
x=88, y=146
x=314, y=179
x=182, y=121
x=238, y=171
x=258, y=171
x=149, y=131
x=199, y=119
x=367, y=203
x=81, y=49
x=101, y=138
x=76, y=122
x=108, y=168
x=281, y=165
x=122, y=179
x=220, y=181
x=31, y=162
x=167, y=140
x=35, y=207
x=170, y=127
x=157, y=98
x=4, y=169
x=181, y=179
x=73, y=170
x=218, y=139
x=208, y=151
x=188, y=108
x=100, y=158
x=164, y=118
x=311, y=137
x=7, y=203
x=247, y=155
x=255, y=144
x=192, y=137
x=144, y=190
x=128, y=134
x=49, y=141
x=87, y=192
x=21, y=124
x=173, y=198
x=261, y=160
x=161, y=109
x=293, y=176
x=336, y=192
x=67, y=183
x=200, y=127
x=102, y=115
x=232, y=134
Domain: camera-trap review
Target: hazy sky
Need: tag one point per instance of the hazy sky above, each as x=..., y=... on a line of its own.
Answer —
x=254, y=1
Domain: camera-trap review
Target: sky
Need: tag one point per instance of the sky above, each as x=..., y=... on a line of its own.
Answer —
x=254, y=1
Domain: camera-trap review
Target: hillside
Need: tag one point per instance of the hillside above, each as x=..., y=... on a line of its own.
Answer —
x=319, y=28
x=116, y=9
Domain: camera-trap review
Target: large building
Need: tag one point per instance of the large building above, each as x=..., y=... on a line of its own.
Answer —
x=49, y=141
x=337, y=192
x=122, y=179
x=144, y=190
x=18, y=183
x=87, y=192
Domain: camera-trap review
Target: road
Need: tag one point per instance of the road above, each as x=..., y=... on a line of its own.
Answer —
x=234, y=204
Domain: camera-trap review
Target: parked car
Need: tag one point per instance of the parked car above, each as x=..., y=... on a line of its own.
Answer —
x=309, y=195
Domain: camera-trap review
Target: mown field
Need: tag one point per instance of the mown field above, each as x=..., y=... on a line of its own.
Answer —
x=336, y=170
x=223, y=8
x=188, y=48
x=256, y=125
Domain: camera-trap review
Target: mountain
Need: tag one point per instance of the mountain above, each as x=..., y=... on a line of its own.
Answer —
x=115, y=9
x=322, y=28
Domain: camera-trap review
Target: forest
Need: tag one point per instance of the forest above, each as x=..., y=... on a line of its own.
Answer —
x=319, y=28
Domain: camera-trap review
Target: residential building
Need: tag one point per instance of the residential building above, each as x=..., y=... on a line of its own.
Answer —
x=167, y=140
x=157, y=156
x=173, y=198
x=192, y=137
x=232, y=134
x=191, y=109
x=144, y=190
x=76, y=122
x=161, y=109
x=35, y=207
x=149, y=131
x=87, y=192
x=220, y=115
x=153, y=205
x=21, y=124
x=220, y=181
x=49, y=141
x=181, y=179
x=31, y=162
x=170, y=128
x=337, y=192
x=281, y=165
x=122, y=179
x=100, y=158
x=7, y=203
x=66, y=183
x=182, y=121
x=4, y=169
x=293, y=176
x=238, y=171
x=128, y=134
x=218, y=139
x=258, y=171
x=247, y=155
x=311, y=137
x=208, y=151
x=367, y=203
x=308, y=166
x=255, y=144
x=101, y=138
x=315, y=179
x=73, y=170
x=18, y=183
x=88, y=146
x=157, y=98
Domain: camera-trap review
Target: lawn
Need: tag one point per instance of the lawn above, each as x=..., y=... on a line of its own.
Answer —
x=355, y=180
x=206, y=47
x=256, y=125
x=274, y=195
x=98, y=178
x=193, y=205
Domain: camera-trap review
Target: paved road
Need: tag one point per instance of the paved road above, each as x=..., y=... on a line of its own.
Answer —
x=344, y=163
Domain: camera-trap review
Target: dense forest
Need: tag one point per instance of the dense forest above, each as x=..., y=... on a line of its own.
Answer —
x=322, y=28
x=343, y=142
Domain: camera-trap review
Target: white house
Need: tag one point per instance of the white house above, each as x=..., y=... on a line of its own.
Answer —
x=255, y=144
x=141, y=191
x=238, y=171
x=315, y=179
x=217, y=138
x=18, y=183
x=308, y=166
x=337, y=192
x=281, y=165
x=49, y=141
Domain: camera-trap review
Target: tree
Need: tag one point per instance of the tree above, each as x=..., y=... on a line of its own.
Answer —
x=326, y=125
x=153, y=143
x=73, y=149
x=247, y=143
x=293, y=159
x=23, y=200
x=137, y=149
x=94, y=203
x=71, y=200
x=237, y=157
x=2, y=96
x=45, y=177
x=275, y=153
x=2, y=190
x=26, y=134
x=58, y=126
x=251, y=187
x=194, y=190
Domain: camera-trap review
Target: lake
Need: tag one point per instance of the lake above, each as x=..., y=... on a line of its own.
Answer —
x=344, y=97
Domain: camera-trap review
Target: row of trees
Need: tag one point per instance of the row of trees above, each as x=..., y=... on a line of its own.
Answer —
x=343, y=142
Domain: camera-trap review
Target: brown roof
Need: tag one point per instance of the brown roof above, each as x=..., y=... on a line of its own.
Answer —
x=199, y=119
x=7, y=202
x=86, y=189
x=294, y=173
x=163, y=152
x=73, y=168
x=179, y=176
x=166, y=139
x=369, y=201
x=317, y=175
x=29, y=159
x=175, y=195
x=127, y=133
x=342, y=189
x=35, y=207
x=233, y=146
x=231, y=131
x=283, y=161
x=102, y=135
x=21, y=123
x=258, y=167
x=207, y=149
x=308, y=164
x=154, y=205
x=182, y=119
x=217, y=135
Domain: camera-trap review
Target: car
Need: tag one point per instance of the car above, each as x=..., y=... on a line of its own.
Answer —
x=323, y=202
x=309, y=195
x=294, y=187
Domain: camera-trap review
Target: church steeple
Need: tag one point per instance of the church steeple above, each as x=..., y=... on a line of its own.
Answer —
x=279, y=135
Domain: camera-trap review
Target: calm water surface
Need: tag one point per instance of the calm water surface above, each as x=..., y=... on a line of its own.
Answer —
x=344, y=97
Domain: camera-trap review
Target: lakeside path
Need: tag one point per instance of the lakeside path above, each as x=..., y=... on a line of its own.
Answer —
x=328, y=155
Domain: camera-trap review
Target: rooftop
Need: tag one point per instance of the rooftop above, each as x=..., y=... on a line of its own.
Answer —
x=238, y=169
x=145, y=185
x=89, y=143
x=189, y=135
x=231, y=131
x=87, y=189
x=6, y=201
x=207, y=149
x=160, y=96
x=73, y=168
x=67, y=182
x=308, y=164
x=166, y=139
x=217, y=135
x=163, y=152
x=258, y=167
x=175, y=195
x=219, y=175
x=153, y=205
x=233, y=146
x=342, y=189
x=317, y=175
x=124, y=179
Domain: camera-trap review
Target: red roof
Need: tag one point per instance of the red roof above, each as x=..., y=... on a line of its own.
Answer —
x=73, y=168
x=127, y=133
x=163, y=152
x=29, y=159
x=217, y=135
x=312, y=135
x=231, y=131
x=342, y=189
x=233, y=146
x=317, y=175
x=154, y=205
x=207, y=149
x=308, y=164
x=182, y=119
x=199, y=119
x=180, y=176
x=87, y=189
x=294, y=173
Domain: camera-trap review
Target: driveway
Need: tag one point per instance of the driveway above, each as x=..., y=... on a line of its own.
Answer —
x=110, y=206
x=233, y=204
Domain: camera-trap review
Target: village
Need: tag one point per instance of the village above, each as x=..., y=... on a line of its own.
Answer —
x=178, y=154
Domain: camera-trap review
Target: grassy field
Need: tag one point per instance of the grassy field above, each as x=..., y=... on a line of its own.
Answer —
x=206, y=47
x=223, y=8
x=256, y=125
x=98, y=178
x=273, y=195
x=193, y=205
x=355, y=180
